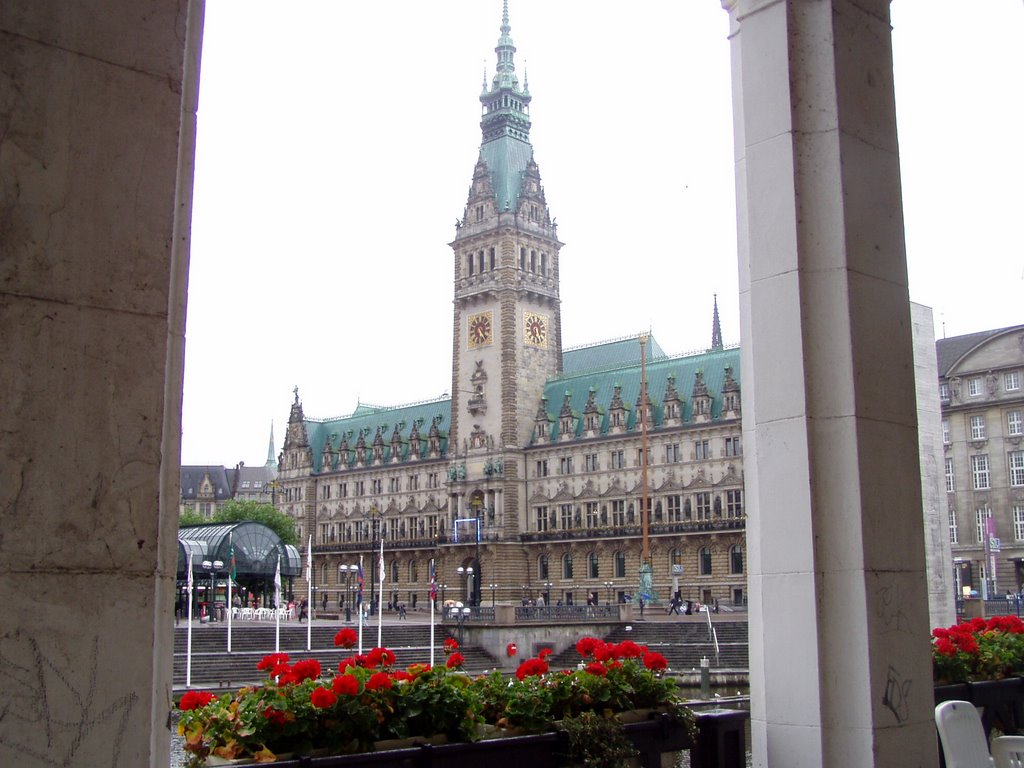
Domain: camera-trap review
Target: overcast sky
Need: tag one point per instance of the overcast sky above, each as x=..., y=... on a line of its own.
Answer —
x=337, y=142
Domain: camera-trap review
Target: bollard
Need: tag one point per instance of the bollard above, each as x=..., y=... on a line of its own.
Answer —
x=705, y=678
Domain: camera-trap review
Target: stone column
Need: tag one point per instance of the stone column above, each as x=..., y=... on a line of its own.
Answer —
x=840, y=664
x=97, y=104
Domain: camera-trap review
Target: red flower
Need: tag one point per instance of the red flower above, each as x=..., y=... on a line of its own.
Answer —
x=654, y=660
x=353, y=661
x=587, y=645
x=597, y=669
x=945, y=647
x=272, y=660
x=378, y=680
x=511, y=650
x=455, y=661
x=275, y=716
x=307, y=669
x=531, y=667
x=627, y=649
x=195, y=700
x=346, y=637
x=451, y=645
x=379, y=657
x=322, y=698
x=345, y=685
x=544, y=653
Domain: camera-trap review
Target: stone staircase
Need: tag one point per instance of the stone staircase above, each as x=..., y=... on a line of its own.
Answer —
x=212, y=666
x=683, y=644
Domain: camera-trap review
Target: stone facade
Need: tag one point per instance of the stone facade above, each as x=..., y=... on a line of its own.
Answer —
x=530, y=472
x=981, y=376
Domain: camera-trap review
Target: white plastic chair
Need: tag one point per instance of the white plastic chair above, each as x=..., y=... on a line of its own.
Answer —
x=1008, y=751
x=962, y=735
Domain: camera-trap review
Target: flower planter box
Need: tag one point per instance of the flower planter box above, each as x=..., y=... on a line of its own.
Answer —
x=542, y=750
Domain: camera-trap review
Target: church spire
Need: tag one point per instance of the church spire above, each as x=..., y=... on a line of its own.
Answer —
x=716, y=329
x=271, y=454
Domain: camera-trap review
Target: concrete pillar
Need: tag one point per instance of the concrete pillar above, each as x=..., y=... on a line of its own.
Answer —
x=938, y=556
x=840, y=663
x=97, y=104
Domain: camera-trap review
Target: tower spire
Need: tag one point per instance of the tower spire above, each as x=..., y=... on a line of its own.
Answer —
x=271, y=454
x=716, y=329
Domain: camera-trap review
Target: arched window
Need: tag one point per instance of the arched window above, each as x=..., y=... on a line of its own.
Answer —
x=620, y=565
x=704, y=561
x=542, y=567
x=736, y=559
x=413, y=572
x=593, y=570
x=323, y=574
x=675, y=557
x=394, y=571
x=567, y=565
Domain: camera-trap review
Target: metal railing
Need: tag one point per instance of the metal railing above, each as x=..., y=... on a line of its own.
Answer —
x=566, y=612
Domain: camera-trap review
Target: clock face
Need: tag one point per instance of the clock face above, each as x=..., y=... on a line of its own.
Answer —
x=480, y=329
x=535, y=329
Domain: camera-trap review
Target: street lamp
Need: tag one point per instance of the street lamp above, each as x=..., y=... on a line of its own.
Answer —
x=213, y=567
x=493, y=587
x=462, y=613
x=348, y=571
x=608, y=585
x=468, y=573
x=547, y=592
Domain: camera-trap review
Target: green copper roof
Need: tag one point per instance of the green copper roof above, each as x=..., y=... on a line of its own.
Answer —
x=711, y=364
x=608, y=354
x=413, y=423
x=506, y=124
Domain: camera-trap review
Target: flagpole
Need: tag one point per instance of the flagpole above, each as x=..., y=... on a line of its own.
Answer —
x=380, y=593
x=277, y=602
x=433, y=599
x=359, y=605
x=309, y=594
x=188, y=645
x=231, y=572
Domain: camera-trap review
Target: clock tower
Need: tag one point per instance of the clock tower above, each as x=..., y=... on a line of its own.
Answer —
x=507, y=321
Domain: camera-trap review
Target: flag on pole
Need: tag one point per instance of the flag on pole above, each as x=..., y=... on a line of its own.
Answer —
x=188, y=642
x=231, y=575
x=309, y=595
x=433, y=602
x=359, y=584
x=277, y=604
x=380, y=596
x=277, y=582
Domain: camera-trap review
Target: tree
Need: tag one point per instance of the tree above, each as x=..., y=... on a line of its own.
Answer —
x=259, y=512
x=191, y=517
